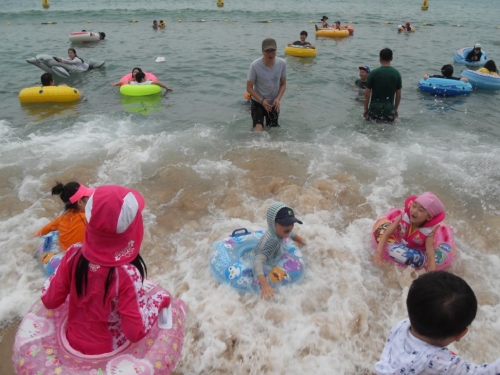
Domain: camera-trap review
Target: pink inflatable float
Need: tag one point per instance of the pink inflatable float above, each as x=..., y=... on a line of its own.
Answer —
x=128, y=77
x=41, y=347
x=396, y=252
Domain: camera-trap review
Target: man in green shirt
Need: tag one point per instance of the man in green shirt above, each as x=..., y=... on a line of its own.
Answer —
x=383, y=90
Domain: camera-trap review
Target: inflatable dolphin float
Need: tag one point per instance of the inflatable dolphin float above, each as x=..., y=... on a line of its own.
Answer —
x=48, y=64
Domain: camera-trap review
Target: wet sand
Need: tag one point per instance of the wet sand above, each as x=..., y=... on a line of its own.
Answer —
x=7, y=341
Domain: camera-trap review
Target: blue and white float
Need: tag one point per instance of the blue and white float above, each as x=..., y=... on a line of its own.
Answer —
x=444, y=86
x=461, y=54
x=48, y=253
x=50, y=65
x=482, y=80
x=231, y=262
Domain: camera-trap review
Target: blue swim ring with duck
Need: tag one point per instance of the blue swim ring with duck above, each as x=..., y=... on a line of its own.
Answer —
x=232, y=264
x=482, y=81
x=444, y=86
x=462, y=53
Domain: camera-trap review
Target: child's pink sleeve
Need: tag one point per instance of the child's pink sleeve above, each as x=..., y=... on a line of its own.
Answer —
x=57, y=287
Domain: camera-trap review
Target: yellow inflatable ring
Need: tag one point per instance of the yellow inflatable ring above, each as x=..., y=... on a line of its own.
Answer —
x=300, y=51
x=332, y=33
x=49, y=94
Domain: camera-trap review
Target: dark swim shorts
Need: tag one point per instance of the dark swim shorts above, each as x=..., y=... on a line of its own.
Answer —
x=388, y=118
x=259, y=113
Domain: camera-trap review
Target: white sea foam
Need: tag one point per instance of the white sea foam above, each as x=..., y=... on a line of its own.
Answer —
x=342, y=311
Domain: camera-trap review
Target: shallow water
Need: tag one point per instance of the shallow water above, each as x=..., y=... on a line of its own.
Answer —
x=204, y=173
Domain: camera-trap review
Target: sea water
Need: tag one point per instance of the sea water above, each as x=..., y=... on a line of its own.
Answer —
x=203, y=172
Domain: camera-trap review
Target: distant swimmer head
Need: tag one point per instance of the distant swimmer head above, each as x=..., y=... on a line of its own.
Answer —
x=491, y=66
x=324, y=18
x=102, y=35
x=365, y=68
x=135, y=71
x=400, y=27
x=447, y=70
x=47, y=79
x=140, y=77
x=407, y=24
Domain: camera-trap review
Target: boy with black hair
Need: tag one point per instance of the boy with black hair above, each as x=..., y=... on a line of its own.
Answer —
x=441, y=307
x=48, y=80
x=140, y=78
x=447, y=73
x=302, y=42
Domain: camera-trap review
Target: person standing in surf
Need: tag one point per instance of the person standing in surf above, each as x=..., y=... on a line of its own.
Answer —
x=266, y=83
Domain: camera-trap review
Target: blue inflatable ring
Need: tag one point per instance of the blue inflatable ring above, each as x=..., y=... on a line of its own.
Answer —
x=482, y=80
x=444, y=87
x=230, y=265
x=462, y=53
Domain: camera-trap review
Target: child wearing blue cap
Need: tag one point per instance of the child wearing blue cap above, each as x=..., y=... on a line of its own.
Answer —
x=363, y=77
x=280, y=222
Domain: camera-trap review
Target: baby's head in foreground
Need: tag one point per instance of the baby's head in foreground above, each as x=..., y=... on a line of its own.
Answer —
x=441, y=306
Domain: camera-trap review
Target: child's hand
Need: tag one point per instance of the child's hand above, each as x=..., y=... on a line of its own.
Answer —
x=299, y=239
x=377, y=259
x=267, y=291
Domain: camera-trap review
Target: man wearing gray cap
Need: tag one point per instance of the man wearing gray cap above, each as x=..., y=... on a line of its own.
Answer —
x=266, y=83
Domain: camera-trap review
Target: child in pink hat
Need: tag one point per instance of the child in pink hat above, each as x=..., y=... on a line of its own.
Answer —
x=416, y=227
x=103, y=277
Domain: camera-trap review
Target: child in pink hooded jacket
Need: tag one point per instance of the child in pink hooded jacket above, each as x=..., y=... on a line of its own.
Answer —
x=103, y=276
x=416, y=227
